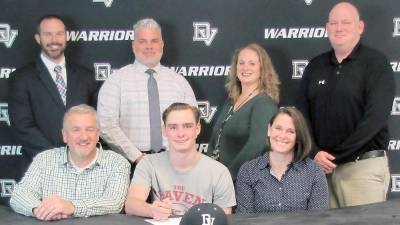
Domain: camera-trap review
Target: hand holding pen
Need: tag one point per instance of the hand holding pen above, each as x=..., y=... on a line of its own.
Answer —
x=161, y=209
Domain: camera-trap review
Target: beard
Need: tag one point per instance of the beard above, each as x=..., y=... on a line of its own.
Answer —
x=53, y=54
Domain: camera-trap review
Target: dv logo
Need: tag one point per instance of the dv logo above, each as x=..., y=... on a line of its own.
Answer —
x=396, y=26
x=395, y=183
x=7, y=187
x=207, y=219
x=102, y=71
x=298, y=68
x=7, y=35
x=207, y=111
x=4, y=113
x=204, y=32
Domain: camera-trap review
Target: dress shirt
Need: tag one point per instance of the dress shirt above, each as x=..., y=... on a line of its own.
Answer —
x=98, y=190
x=348, y=103
x=50, y=66
x=123, y=108
x=303, y=186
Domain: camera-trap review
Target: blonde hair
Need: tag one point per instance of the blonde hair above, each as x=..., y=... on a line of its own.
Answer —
x=269, y=82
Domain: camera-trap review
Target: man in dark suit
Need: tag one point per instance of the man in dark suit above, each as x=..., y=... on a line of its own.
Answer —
x=41, y=92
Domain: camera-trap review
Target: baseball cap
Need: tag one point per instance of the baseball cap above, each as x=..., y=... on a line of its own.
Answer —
x=204, y=214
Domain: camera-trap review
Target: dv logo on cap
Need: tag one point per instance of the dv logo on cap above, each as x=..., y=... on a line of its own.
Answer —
x=207, y=219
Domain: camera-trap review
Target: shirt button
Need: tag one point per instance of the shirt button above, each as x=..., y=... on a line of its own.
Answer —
x=337, y=72
x=280, y=204
x=340, y=66
x=280, y=188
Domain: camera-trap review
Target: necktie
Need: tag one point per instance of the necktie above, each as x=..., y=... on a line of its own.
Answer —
x=61, y=86
x=154, y=112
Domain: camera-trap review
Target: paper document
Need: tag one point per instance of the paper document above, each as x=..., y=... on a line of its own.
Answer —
x=169, y=221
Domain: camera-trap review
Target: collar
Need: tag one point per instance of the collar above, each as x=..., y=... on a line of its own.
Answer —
x=64, y=157
x=142, y=68
x=50, y=64
x=353, y=55
x=263, y=163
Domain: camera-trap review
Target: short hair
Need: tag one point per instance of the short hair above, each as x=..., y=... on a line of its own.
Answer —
x=47, y=17
x=358, y=14
x=146, y=23
x=269, y=83
x=303, y=138
x=79, y=109
x=178, y=106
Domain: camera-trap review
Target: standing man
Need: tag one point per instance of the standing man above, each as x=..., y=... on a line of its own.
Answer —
x=41, y=92
x=78, y=180
x=347, y=94
x=132, y=99
x=180, y=177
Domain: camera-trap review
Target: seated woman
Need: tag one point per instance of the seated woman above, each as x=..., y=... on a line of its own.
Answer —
x=284, y=178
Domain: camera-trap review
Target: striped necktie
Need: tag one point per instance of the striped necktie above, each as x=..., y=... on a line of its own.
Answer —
x=61, y=86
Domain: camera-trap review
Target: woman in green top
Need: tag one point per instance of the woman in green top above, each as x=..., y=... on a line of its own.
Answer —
x=240, y=130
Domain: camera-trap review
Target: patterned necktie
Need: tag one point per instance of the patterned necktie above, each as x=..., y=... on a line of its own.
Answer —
x=61, y=86
x=154, y=112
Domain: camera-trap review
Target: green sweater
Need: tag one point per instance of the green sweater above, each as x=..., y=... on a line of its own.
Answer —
x=244, y=135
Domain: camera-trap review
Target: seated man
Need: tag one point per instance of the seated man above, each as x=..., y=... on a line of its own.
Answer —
x=180, y=177
x=78, y=180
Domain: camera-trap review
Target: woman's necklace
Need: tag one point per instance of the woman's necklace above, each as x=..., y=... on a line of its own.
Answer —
x=228, y=115
x=245, y=100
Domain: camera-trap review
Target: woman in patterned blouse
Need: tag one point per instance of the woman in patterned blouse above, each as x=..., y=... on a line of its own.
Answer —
x=284, y=178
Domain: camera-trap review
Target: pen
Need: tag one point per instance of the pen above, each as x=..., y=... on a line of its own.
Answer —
x=157, y=196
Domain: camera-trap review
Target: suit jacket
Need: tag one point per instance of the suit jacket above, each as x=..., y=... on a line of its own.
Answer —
x=36, y=109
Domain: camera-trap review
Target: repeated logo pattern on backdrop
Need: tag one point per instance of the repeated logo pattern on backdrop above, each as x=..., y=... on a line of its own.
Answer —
x=395, y=183
x=7, y=35
x=299, y=66
x=102, y=70
x=6, y=187
x=200, y=38
x=204, y=32
x=4, y=113
x=396, y=28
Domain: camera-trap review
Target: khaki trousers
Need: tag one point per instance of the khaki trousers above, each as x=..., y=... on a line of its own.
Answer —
x=359, y=182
